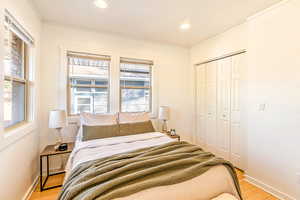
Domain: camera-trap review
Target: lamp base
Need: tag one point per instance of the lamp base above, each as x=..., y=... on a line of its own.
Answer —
x=58, y=139
x=164, y=126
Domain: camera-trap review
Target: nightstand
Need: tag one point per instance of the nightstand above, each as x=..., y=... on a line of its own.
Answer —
x=174, y=136
x=48, y=152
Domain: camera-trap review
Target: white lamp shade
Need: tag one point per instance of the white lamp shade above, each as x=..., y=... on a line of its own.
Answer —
x=57, y=119
x=164, y=112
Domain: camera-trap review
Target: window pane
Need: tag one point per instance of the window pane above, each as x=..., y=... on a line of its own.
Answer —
x=14, y=103
x=139, y=83
x=83, y=89
x=135, y=75
x=135, y=100
x=13, y=60
x=84, y=101
x=81, y=100
x=135, y=83
x=84, y=108
x=101, y=83
x=93, y=100
x=88, y=71
x=81, y=82
x=100, y=102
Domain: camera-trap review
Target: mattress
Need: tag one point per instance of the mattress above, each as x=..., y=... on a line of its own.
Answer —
x=209, y=185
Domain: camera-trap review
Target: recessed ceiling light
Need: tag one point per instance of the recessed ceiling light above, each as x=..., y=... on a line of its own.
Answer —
x=185, y=26
x=100, y=3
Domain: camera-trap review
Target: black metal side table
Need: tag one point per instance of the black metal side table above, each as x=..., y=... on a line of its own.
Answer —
x=48, y=152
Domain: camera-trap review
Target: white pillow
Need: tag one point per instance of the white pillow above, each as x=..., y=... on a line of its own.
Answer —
x=89, y=119
x=133, y=117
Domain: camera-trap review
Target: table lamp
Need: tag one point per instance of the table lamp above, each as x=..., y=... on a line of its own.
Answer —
x=164, y=114
x=57, y=121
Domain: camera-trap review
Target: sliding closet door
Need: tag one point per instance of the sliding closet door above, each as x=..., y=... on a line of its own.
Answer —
x=223, y=108
x=200, y=105
x=218, y=102
x=211, y=106
x=238, y=63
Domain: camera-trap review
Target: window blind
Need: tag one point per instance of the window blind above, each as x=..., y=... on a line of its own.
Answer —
x=88, y=83
x=88, y=56
x=17, y=28
x=136, y=61
x=135, y=85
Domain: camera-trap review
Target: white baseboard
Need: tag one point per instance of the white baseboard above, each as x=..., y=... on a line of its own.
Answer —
x=31, y=189
x=275, y=192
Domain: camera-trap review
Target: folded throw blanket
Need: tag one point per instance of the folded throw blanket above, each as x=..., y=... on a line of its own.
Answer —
x=128, y=173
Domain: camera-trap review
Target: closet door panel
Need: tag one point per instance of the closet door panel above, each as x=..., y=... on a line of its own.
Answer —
x=238, y=62
x=201, y=105
x=223, y=107
x=223, y=139
x=211, y=106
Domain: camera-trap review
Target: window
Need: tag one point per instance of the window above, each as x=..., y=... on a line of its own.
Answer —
x=17, y=43
x=135, y=85
x=88, y=83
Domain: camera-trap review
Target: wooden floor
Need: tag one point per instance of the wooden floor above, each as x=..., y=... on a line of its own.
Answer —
x=250, y=192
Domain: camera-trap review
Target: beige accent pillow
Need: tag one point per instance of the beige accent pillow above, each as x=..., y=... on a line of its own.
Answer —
x=133, y=117
x=98, y=119
x=135, y=128
x=99, y=132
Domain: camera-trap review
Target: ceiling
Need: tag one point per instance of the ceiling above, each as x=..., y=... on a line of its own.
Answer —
x=155, y=20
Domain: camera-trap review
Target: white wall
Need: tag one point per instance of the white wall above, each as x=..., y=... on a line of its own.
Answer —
x=274, y=78
x=170, y=63
x=232, y=40
x=19, y=150
x=271, y=77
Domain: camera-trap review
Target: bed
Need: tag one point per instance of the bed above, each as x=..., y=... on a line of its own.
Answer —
x=217, y=182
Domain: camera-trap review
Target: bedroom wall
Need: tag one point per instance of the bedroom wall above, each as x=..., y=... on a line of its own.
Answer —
x=170, y=63
x=19, y=149
x=272, y=78
x=232, y=40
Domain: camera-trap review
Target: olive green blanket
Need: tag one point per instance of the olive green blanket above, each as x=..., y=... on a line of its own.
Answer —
x=124, y=174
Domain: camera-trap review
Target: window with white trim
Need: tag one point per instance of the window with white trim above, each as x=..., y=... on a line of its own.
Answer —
x=17, y=82
x=135, y=85
x=88, y=83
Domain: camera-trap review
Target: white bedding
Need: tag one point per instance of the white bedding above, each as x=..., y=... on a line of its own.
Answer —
x=101, y=148
x=214, y=182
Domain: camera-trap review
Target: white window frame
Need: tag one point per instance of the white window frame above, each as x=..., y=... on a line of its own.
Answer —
x=24, y=81
x=13, y=133
x=150, y=87
x=27, y=43
x=62, y=79
x=93, y=85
